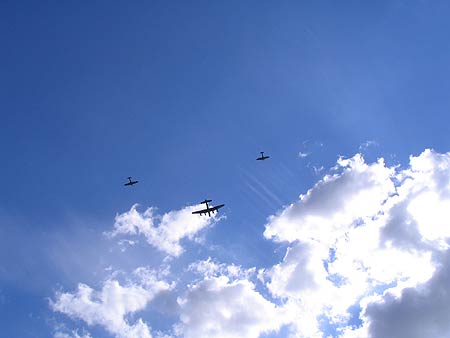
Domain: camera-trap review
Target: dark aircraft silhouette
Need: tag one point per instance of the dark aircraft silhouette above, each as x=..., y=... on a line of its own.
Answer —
x=208, y=209
x=131, y=182
x=262, y=158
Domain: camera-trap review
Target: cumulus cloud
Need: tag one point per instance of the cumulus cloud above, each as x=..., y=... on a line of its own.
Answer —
x=224, y=303
x=422, y=311
x=368, y=237
x=336, y=202
x=163, y=232
x=302, y=270
x=217, y=307
x=109, y=306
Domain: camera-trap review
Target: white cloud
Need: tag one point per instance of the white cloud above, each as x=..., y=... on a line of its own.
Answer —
x=73, y=334
x=365, y=229
x=109, y=307
x=335, y=203
x=421, y=309
x=216, y=307
x=210, y=268
x=415, y=312
x=163, y=232
x=302, y=271
x=309, y=147
x=365, y=145
x=303, y=154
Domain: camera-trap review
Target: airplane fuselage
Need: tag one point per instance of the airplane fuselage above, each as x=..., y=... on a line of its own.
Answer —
x=208, y=209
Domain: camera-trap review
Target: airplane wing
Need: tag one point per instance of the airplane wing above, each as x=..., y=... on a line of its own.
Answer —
x=216, y=207
x=201, y=211
x=205, y=211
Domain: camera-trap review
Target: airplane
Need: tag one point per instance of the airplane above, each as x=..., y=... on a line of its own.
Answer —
x=208, y=209
x=131, y=182
x=262, y=158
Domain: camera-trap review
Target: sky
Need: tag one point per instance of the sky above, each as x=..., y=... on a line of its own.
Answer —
x=343, y=232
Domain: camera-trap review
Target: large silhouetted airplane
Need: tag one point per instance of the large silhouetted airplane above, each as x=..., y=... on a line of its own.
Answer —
x=208, y=209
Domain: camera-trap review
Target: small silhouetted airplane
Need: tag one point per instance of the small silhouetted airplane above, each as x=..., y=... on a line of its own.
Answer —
x=208, y=209
x=131, y=182
x=262, y=158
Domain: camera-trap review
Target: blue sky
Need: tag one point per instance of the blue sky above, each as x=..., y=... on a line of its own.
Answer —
x=183, y=97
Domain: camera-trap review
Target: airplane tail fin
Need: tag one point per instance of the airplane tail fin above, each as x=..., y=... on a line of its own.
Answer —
x=206, y=201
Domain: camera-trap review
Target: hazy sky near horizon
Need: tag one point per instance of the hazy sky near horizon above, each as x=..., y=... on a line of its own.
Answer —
x=343, y=232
